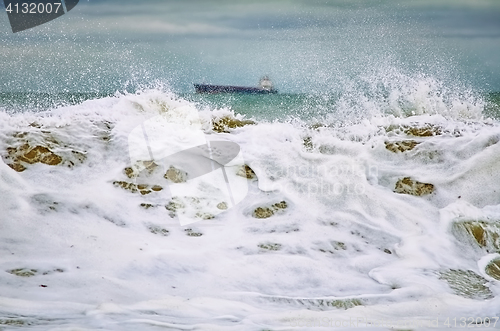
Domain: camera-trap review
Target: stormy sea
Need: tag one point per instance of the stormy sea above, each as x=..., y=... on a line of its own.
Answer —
x=387, y=218
x=364, y=194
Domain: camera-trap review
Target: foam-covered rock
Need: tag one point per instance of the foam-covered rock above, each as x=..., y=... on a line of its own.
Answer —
x=225, y=123
x=493, y=269
x=467, y=283
x=176, y=175
x=401, y=146
x=486, y=235
x=428, y=130
x=25, y=154
x=247, y=172
x=266, y=212
x=409, y=186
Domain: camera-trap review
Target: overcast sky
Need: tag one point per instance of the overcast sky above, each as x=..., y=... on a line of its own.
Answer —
x=114, y=44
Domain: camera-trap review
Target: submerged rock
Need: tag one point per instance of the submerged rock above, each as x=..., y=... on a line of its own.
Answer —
x=204, y=216
x=154, y=229
x=223, y=124
x=466, y=283
x=23, y=272
x=401, y=146
x=408, y=186
x=174, y=205
x=308, y=144
x=318, y=304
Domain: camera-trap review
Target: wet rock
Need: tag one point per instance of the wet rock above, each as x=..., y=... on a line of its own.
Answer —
x=17, y=167
x=26, y=272
x=39, y=154
x=266, y=212
x=126, y=186
x=58, y=270
x=150, y=166
x=332, y=247
x=338, y=245
x=263, y=212
x=308, y=144
x=175, y=175
x=14, y=322
x=408, y=186
x=25, y=154
x=316, y=126
x=174, y=205
x=193, y=206
x=20, y=134
x=493, y=269
x=485, y=234
x=141, y=169
x=205, y=216
x=141, y=188
x=77, y=156
x=18, y=158
x=280, y=205
x=156, y=188
x=154, y=229
x=428, y=130
x=23, y=272
x=401, y=146
x=270, y=246
x=223, y=124
x=247, y=172
x=192, y=233
x=129, y=172
x=466, y=283
x=315, y=304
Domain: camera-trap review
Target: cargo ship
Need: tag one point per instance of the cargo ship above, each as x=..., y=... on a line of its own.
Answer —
x=265, y=87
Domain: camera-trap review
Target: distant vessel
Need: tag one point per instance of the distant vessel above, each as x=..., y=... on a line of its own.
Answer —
x=265, y=87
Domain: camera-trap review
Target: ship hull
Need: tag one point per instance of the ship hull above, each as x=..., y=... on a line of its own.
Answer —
x=216, y=89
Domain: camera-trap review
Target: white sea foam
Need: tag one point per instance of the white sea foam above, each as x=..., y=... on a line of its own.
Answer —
x=80, y=252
